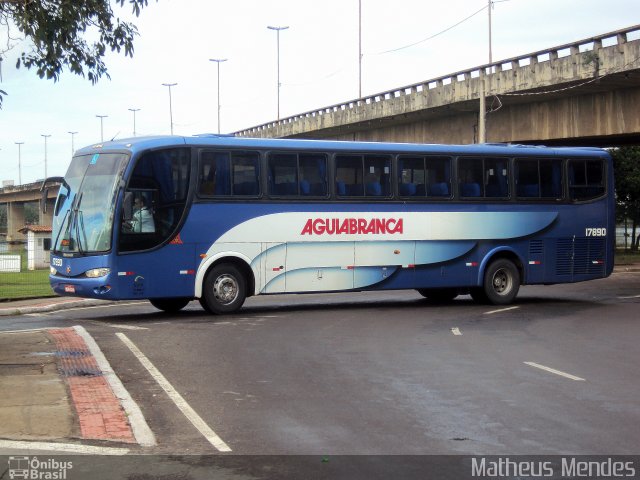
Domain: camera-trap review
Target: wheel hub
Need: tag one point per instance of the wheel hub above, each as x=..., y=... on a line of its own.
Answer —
x=225, y=289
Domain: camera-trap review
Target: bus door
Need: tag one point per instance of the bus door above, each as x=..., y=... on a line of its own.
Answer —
x=153, y=260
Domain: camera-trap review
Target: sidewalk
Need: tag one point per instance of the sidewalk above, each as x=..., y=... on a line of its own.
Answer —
x=57, y=387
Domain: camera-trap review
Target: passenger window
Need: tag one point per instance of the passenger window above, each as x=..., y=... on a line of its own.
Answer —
x=586, y=179
x=483, y=177
x=297, y=174
x=363, y=175
x=538, y=178
x=229, y=173
x=424, y=176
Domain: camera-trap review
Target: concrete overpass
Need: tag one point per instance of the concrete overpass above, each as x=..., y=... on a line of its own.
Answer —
x=582, y=93
x=16, y=196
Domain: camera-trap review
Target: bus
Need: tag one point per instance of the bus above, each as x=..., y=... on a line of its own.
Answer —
x=219, y=218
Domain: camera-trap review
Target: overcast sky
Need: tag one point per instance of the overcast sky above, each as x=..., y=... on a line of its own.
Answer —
x=318, y=64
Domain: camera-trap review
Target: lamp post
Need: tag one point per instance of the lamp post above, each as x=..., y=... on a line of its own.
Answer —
x=170, y=107
x=278, y=29
x=19, y=162
x=102, y=117
x=45, y=153
x=73, y=149
x=218, y=61
x=134, y=110
x=359, y=48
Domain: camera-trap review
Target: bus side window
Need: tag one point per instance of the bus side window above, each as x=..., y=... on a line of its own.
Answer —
x=586, y=179
x=470, y=177
x=349, y=175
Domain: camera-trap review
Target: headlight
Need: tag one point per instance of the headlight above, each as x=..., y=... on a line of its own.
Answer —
x=97, y=272
x=53, y=271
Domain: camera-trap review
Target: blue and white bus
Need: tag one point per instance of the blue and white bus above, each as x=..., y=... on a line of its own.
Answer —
x=219, y=219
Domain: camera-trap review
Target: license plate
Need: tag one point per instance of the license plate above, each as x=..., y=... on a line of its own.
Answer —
x=69, y=289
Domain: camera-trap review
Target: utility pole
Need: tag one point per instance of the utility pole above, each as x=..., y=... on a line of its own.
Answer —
x=19, y=162
x=482, y=117
x=218, y=61
x=169, y=85
x=359, y=48
x=134, y=110
x=277, y=29
x=72, y=144
x=102, y=117
x=45, y=153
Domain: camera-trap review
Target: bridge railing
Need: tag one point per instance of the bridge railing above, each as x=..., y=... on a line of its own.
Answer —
x=617, y=37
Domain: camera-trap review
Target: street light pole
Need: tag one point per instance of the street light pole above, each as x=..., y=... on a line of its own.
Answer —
x=277, y=29
x=218, y=61
x=72, y=144
x=359, y=48
x=102, y=117
x=45, y=153
x=170, y=107
x=134, y=110
x=19, y=162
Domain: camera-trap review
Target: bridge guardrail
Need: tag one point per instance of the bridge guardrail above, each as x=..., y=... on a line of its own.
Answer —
x=617, y=37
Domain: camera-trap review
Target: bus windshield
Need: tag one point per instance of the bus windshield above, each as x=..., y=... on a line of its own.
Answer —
x=84, y=211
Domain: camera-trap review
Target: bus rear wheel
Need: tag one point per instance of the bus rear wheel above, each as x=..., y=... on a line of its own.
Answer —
x=169, y=305
x=224, y=290
x=501, y=282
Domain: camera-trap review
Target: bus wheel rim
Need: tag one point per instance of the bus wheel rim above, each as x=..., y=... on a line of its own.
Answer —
x=225, y=289
x=501, y=282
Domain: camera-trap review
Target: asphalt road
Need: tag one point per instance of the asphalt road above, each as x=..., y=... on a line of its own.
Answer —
x=385, y=373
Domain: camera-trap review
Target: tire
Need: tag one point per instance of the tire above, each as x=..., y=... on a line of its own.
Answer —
x=170, y=305
x=439, y=295
x=224, y=289
x=501, y=282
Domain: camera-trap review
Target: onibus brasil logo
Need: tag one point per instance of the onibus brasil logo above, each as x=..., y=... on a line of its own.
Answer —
x=34, y=469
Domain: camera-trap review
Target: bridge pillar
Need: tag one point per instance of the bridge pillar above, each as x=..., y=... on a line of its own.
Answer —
x=15, y=221
x=46, y=219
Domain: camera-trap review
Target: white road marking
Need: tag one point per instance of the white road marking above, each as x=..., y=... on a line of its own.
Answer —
x=141, y=431
x=27, y=330
x=124, y=327
x=627, y=298
x=27, y=447
x=501, y=310
x=553, y=370
x=173, y=394
x=456, y=331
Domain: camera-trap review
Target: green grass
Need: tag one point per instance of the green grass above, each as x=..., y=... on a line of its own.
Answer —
x=26, y=284
x=626, y=257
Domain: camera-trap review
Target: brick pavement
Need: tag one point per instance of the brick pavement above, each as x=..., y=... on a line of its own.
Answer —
x=100, y=414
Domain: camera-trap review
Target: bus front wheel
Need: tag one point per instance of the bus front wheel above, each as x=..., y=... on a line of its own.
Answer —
x=224, y=289
x=501, y=282
x=170, y=305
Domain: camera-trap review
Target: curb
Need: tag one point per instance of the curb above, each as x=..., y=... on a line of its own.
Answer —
x=52, y=306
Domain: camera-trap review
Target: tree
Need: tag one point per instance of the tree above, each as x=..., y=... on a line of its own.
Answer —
x=626, y=163
x=59, y=33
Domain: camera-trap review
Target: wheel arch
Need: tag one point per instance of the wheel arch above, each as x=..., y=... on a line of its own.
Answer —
x=498, y=253
x=240, y=261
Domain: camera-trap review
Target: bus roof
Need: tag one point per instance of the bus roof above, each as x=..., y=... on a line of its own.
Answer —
x=137, y=144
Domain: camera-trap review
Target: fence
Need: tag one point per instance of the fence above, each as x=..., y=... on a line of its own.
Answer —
x=17, y=281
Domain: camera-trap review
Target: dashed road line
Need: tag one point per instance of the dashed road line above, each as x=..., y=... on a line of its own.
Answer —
x=124, y=327
x=173, y=394
x=553, y=370
x=456, y=331
x=627, y=298
x=501, y=310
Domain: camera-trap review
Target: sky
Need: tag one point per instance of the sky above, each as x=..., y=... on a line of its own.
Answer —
x=318, y=64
